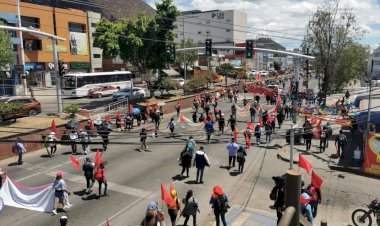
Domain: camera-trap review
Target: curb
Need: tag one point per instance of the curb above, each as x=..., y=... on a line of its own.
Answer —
x=279, y=156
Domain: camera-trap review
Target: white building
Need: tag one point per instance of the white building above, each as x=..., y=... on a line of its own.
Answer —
x=96, y=53
x=223, y=27
x=376, y=63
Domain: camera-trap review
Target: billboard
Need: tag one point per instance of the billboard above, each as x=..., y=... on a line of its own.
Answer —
x=372, y=155
x=78, y=43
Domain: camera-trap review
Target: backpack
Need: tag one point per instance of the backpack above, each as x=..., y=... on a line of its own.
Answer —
x=342, y=139
x=220, y=203
x=240, y=155
x=190, y=145
x=15, y=149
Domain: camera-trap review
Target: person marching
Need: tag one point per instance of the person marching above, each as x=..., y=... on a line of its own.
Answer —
x=221, y=123
x=173, y=210
x=100, y=176
x=209, y=128
x=59, y=186
x=195, y=117
x=341, y=140
x=185, y=160
x=233, y=110
x=268, y=132
x=232, y=122
x=18, y=148
x=258, y=133
x=240, y=157
x=83, y=136
x=219, y=202
x=171, y=126
x=178, y=108
x=143, y=136
x=52, y=139
x=88, y=169
x=191, y=208
x=252, y=112
x=200, y=162
x=73, y=137
x=232, y=148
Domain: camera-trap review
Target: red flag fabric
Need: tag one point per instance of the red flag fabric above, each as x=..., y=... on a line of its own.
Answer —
x=319, y=125
x=75, y=162
x=274, y=119
x=250, y=126
x=316, y=133
x=130, y=108
x=210, y=117
x=314, y=121
x=236, y=134
x=316, y=180
x=304, y=201
x=147, y=106
x=269, y=119
x=118, y=115
x=259, y=76
x=98, y=158
x=165, y=196
x=53, y=127
x=204, y=120
x=108, y=223
x=182, y=118
x=261, y=122
x=304, y=163
x=107, y=118
x=91, y=124
x=171, y=187
x=247, y=141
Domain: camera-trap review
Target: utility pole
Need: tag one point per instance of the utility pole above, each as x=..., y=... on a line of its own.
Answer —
x=57, y=78
x=291, y=146
x=184, y=52
x=295, y=89
x=369, y=108
x=292, y=194
x=22, y=58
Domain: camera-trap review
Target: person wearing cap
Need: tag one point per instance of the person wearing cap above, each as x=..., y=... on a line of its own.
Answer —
x=59, y=186
x=83, y=136
x=173, y=210
x=221, y=123
x=232, y=148
x=219, y=203
x=18, y=148
x=88, y=169
x=52, y=139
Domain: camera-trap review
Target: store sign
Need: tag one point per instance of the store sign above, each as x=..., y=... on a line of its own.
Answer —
x=78, y=43
x=19, y=69
x=218, y=15
x=80, y=65
x=35, y=67
x=372, y=155
x=60, y=48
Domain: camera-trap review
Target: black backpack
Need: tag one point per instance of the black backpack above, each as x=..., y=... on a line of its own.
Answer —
x=220, y=203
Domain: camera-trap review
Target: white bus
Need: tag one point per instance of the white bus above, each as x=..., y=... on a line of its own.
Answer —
x=78, y=85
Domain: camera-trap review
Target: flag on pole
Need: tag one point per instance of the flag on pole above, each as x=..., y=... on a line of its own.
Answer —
x=98, y=158
x=53, y=127
x=269, y=119
x=182, y=118
x=130, y=108
x=165, y=196
x=75, y=162
x=316, y=180
x=250, y=125
x=261, y=122
x=247, y=141
x=304, y=163
x=314, y=121
x=236, y=134
x=118, y=115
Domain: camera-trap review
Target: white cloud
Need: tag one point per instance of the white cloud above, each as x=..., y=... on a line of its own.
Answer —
x=287, y=17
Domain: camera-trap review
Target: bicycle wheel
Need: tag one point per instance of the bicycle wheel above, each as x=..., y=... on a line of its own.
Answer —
x=361, y=217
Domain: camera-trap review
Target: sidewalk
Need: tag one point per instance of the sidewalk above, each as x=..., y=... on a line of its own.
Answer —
x=238, y=216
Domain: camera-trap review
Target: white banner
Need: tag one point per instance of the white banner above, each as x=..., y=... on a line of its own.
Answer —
x=32, y=198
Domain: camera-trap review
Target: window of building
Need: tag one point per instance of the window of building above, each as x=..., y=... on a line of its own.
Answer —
x=27, y=21
x=32, y=45
x=74, y=27
x=376, y=54
x=97, y=55
x=93, y=24
x=228, y=20
x=207, y=21
x=228, y=30
x=228, y=40
x=199, y=32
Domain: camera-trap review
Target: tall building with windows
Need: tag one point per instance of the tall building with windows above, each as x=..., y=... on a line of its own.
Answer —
x=222, y=26
x=376, y=63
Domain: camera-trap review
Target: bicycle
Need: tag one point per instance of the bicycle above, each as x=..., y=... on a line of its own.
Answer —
x=363, y=217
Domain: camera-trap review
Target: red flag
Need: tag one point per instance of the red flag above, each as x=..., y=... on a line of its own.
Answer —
x=130, y=108
x=118, y=116
x=91, y=124
x=75, y=162
x=251, y=125
x=107, y=118
x=107, y=223
x=182, y=118
x=304, y=201
x=98, y=158
x=236, y=134
x=261, y=122
x=147, y=106
x=316, y=133
x=204, y=120
x=171, y=187
x=259, y=76
x=53, y=127
x=304, y=163
x=157, y=107
x=314, y=121
x=210, y=117
x=319, y=125
x=274, y=119
x=316, y=180
x=269, y=119
x=247, y=141
x=165, y=196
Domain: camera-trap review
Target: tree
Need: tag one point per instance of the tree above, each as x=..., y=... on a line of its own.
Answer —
x=71, y=109
x=7, y=56
x=332, y=37
x=277, y=66
x=141, y=41
x=167, y=84
x=227, y=70
x=190, y=56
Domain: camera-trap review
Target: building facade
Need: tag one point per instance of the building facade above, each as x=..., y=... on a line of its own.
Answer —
x=96, y=53
x=376, y=63
x=227, y=26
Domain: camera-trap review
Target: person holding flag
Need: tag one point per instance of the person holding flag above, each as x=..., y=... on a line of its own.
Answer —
x=88, y=169
x=173, y=209
x=100, y=176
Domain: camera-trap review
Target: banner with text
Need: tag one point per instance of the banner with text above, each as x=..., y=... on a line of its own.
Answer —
x=372, y=155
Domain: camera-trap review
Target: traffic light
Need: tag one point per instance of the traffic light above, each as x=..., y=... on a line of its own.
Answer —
x=208, y=51
x=172, y=51
x=249, y=49
x=61, y=68
x=254, y=52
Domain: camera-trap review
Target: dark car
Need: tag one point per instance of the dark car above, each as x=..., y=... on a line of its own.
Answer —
x=30, y=107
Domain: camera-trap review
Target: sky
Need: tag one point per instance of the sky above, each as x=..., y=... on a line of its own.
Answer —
x=288, y=18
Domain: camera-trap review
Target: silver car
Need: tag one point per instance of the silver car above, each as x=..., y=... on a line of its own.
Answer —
x=131, y=93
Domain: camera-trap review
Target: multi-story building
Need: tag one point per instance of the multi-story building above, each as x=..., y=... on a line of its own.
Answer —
x=376, y=63
x=223, y=27
x=96, y=53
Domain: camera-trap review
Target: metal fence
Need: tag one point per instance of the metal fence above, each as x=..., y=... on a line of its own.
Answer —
x=110, y=108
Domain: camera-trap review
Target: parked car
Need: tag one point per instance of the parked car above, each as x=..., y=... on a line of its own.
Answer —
x=264, y=73
x=30, y=107
x=102, y=91
x=131, y=93
x=180, y=81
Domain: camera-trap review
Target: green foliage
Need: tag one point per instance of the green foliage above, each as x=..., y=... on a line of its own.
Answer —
x=142, y=41
x=190, y=56
x=167, y=84
x=227, y=70
x=71, y=109
x=277, y=66
x=332, y=38
x=6, y=108
x=7, y=56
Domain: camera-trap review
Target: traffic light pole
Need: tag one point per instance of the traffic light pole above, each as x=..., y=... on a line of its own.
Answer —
x=57, y=78
x=296, y=84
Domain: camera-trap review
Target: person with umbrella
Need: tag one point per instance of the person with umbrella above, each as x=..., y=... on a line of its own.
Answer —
x=104, y=130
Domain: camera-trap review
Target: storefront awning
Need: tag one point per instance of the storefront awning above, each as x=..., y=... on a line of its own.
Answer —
x=363, y=117
x=170, y=72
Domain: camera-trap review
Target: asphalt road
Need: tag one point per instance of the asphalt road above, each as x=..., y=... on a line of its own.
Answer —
x=134, y=179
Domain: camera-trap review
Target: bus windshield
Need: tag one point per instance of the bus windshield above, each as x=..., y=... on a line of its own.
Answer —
x=68, y=82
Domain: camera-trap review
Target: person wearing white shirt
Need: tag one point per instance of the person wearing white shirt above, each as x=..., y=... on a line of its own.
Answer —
x=232, y=148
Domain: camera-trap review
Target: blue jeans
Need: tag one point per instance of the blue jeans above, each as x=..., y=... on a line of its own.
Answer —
x=19, y=158
x=200, y=171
